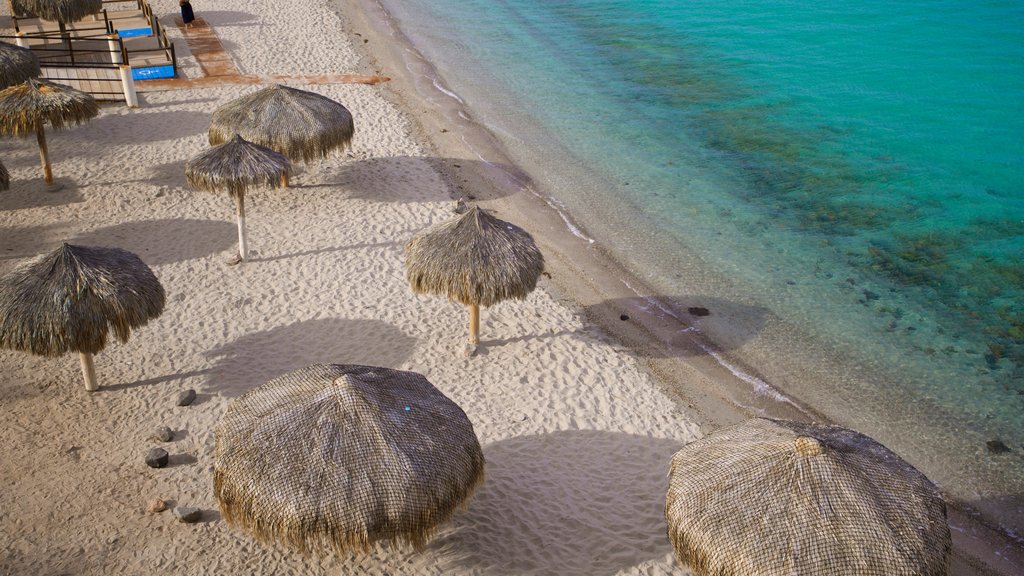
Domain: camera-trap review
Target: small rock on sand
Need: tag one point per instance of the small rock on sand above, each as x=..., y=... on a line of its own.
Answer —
x=155, y=506
x=157, y=458
x=163, y=434
x=186, y=397
x=188, y=515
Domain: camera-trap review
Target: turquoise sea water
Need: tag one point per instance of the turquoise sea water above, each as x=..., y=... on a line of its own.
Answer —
x=855, y=168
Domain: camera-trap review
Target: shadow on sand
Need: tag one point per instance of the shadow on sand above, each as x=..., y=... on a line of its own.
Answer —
x=256, y=358
x=35, y=193
x=403, y=178
x=570, y=502
x=164, y=241
x=675, y=319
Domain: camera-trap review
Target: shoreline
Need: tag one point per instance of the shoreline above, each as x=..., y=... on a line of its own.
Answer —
x=706, y=384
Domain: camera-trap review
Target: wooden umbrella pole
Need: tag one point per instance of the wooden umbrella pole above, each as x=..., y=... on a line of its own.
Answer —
x=242, y=244
x=44, y=156
x=474, y=325
x=88, y=371
x=284, y=180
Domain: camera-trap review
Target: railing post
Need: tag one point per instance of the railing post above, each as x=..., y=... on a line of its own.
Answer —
x=20, y=40
x=115, y=49
x=128, y=84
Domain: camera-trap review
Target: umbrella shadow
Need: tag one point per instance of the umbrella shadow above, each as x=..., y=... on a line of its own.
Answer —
x=155, y=380
x=28, y=241
x=139, y=127
x=229, y=18
x=164, y=241
x=572, y=502
x=675, y=320
x=256, y=358
x=35, y=193
x=403, y=178
x=326, y=250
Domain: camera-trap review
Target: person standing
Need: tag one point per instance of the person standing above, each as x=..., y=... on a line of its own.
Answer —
x=187, y=15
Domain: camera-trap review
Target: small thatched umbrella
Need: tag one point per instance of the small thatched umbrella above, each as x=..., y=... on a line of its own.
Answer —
x=69, y=299
x=5, y=177
x=337, y=457
x=772, y=497
x=475, y=259
x=27, y=107
x=17, y=64
x=234, y=167
x=61, y=11
x=304, y=126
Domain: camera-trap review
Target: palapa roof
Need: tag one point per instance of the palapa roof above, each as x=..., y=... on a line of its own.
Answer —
x=474, y=258
x=69, y=299
x=336, y=457
x=235, y=166
x=299, y=124
x=772, y=497
x=26, y=106
x=17, y=64
x=61, y=10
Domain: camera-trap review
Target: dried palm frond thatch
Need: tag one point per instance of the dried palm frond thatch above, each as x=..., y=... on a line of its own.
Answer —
x=234, y=167
x=17, y=64
x=5, y=177
x=27, y=107
x=61, y=11
x=475, y=259
x=70, y=299
x=338, y=457
x=299, y=124
x=768, y=497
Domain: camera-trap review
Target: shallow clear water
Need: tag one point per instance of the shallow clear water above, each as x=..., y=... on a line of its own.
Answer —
x=854, y=168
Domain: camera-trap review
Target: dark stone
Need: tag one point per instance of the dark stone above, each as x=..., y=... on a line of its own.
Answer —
x=624, y=317
x=156, y=458
x=791, y=282
x=186, y=397
x=997, y=447
x=188, y=515
x=163, y=434
x=698, y=311
x=869, y=295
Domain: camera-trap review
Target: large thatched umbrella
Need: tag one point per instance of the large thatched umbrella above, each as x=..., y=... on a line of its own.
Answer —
x=772, y=497
x=475, y=259
x=69, y=299
x=233, y=167
x=17, y=64
x=337, y=457
x=302, y=125
x=28, y=107
x=61, y=11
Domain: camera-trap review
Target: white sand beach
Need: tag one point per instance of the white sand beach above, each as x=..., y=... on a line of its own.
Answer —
x=577, y=430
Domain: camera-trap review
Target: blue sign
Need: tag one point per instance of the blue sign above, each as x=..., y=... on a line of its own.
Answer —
x=153, y=72
x=135, y=32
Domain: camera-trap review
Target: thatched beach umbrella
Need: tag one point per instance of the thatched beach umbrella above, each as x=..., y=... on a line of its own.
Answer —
x=17, y=64
x=772, y=497
x=69, y=299
x=5, y=177
x=61, y=11
x=234, y=167
x=338, y=457
x=27, y=107
x=299, y=124
x=475, y=259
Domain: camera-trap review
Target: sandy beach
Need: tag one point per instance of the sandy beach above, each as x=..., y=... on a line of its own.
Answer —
x=576, y=421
